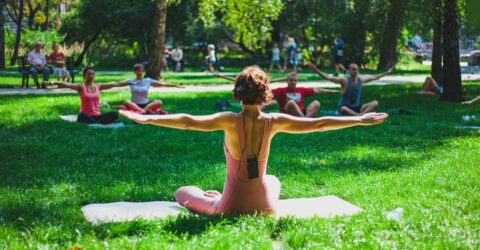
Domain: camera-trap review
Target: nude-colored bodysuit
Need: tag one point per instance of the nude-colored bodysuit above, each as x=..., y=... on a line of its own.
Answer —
x=241, y=195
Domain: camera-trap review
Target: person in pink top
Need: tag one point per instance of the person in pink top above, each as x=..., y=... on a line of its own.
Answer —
x=89, y=97
x=248, y=134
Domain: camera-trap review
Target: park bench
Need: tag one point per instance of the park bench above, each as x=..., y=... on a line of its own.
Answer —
x=70, y=65
x=23, y=69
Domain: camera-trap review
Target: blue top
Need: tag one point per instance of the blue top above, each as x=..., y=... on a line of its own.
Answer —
x=338, y=47
x=351, y=97
x=291, y=48
x=140, y=90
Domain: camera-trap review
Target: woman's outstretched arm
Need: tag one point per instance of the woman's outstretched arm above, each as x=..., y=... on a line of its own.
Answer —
x=109, y=85
x=73, y=86
x=296, y=125
x=224, y=77
x=163, y=83
x=218, y=121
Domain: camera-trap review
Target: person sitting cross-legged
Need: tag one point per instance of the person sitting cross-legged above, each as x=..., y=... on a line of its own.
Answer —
x=89, y=97
x=351, y=89
x=139, y=87
x=291, y=98
x=248, y=135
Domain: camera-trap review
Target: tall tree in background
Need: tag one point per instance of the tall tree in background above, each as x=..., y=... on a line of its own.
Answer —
x=388, y=49
x=33, y=7
x=2, y=34
x=156, y=47
x=452, y=81
x=15, y=9
x=249, y=21
x=437, y=52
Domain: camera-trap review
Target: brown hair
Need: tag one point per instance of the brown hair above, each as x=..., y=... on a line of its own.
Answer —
x=251, y=87
x=138, y=66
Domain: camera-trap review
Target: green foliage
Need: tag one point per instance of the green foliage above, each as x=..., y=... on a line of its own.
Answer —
x=419, y=162
x=30, y=37
x=250, y=21
x=472, y=16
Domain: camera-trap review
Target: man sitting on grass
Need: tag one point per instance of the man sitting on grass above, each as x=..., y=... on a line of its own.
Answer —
x=290, y=99
x=351, y=89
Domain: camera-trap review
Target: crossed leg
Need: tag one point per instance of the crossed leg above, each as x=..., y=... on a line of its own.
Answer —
x=313, y=108
x=292, y=108
x=133, y=107
x=197, y=200
x=368, y=107
x=154, y=106
x=151, y=107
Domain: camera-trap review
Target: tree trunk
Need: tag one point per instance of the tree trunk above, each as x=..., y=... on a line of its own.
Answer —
x=388, y=49
x=158, y=39
x=31, y=14
x=2, y=35
x=47, y=15
x=437, y=52
x=86, y=46
x=18, y=36
x=452, y=80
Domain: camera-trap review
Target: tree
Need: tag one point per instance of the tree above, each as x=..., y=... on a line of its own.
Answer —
x=156, y=47
x=33, y=8
x=388, y=49
x=124, y=22
x=15, y=9
x=2, y=35
x=249, y=21
x=437, y=52
x=452, y=81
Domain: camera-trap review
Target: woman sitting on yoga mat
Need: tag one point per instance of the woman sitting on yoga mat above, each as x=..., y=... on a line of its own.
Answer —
x=139, y=87
x=248, y=189
x=89, y=97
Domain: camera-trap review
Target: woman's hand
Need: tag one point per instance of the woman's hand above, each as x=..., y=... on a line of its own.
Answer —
x=373, y=118
x=467, y=102
x=133, y=116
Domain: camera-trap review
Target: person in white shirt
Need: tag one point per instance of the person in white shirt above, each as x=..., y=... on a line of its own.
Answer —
x=38, y=64
x=177, y=57
x=211, y=58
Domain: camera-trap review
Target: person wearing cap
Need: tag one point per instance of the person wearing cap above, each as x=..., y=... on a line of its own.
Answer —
x=38, y=64
x=211, y=58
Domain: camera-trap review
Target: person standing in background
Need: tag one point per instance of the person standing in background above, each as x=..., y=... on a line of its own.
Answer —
x=275, y=58
x=338, y=45
x=177, y=57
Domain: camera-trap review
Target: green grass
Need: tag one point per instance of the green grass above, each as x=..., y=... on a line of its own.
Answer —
x=50, y=168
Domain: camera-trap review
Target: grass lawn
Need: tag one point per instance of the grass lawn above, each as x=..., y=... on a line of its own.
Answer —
x=420, y=162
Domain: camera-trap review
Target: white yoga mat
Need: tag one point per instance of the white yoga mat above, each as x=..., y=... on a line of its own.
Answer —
x=323, y=207
x=73, y=118
x=69, y=118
